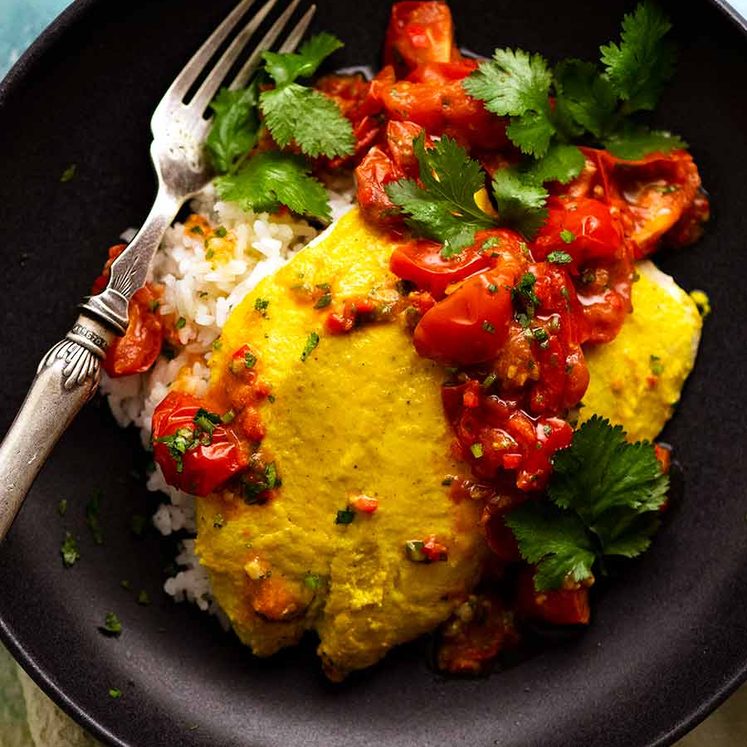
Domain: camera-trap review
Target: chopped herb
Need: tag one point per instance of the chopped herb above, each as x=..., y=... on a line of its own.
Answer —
x=271, y=398
x=492, y=288
x=228, y=417
x=69, y=550
x=559, y=258
x=414, y=551
x=477, y=450
x=489, y=380
x=62, y=507
x=250, y=359
x=143, y=597
x=221, y=232
x=311, y=343
x=181, y=322
x=210, y=253
x=216, y=344
x=323, y=301
x=178, y=444
x=197, y=229
x=112, y=625
x=540, y=335
x=92, y=517
x=313, y=581
x=523, y=293
x=567, y=236
x=260, y=305
x=491, y=243
x=255, y=483
x=657, y=367
x=218, y=521
x=69, y=173
x=488, y=327
x=115, y=693
x=125, y=584
x=345, y=516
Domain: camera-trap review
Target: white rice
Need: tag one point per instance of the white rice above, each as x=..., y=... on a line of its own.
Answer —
x=203, y=291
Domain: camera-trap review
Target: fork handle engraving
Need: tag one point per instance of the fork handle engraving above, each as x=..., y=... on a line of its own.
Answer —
x=67, y=377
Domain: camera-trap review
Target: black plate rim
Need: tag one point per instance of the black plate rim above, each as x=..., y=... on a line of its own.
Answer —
x=14, y=79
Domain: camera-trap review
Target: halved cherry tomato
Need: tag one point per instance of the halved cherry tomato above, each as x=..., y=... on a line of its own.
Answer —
x=372, y=175
x=556, y=606
x=419, y=32
x=141, y=344
x=193, y=458
x=421, y=261
x=470, y=325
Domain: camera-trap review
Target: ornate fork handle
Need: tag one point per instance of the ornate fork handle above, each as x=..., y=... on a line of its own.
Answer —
x=68, y=374
x=66, y=379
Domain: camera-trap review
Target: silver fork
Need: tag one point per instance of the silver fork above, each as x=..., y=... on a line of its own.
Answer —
x=68, y=375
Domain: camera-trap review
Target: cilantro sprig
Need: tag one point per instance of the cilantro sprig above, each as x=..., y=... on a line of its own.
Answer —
x=604, y=500
x=296, y=116
x=589, y=102
x=444, y=207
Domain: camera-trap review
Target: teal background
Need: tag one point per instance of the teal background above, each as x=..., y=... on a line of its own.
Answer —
x=28, y=718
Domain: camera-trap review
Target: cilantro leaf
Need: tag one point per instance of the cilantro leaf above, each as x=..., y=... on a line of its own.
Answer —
x=286, y=67
x=634, y=144
x=444, y=208
x=531, y=133
x=512, y=83
x=561, y=163
x=517, y=84
x=270, y=179
x=606, y=494
x=235, y=127
x=296, y=114
x=554, y=540
x=602, y=471
x=521, y=201
x=585, y=97
x=641, y=63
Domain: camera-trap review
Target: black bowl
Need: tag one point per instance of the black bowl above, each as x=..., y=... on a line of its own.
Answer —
x=667, y=642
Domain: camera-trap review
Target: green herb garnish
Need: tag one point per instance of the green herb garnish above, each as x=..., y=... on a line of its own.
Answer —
x=311, y=343
x=112, y=625
x=69, y=550
x=345, y=516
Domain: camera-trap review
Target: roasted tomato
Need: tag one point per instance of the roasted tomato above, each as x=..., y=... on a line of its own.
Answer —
x=197, y=453
x=442, y=72
x=444, y=108
x=470, y=325
x=372, y=175
x=419, y=32
x=601, y=260
x=399, y=139
x=557, y=606
x=478, y=631
x=141, y=344
x=421, y=262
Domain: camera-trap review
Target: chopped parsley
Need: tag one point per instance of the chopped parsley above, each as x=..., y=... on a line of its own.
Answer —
x=605, y=496
x=143, y=598
x=523, y=294
x=345, y=516
x=568, y=237
x=115, y=693
x=311, y=343
x=559, y=258
x=69, y=173
x=313, y=581
x=69, y=550
x=258, y=481
x=260, y=305
x=221, y=232
x=415, y=552
x=62, y=507
x=112, y=625
x=249, y=359
x=488, y=327
x=656, y=366
x=181, y=322
x=477, y=450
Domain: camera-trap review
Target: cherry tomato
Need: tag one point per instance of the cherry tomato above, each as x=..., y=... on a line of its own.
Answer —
x=581, y=227
x=421, y=261
x=445, y=108
x=372, y=175
x=399, y=139
x=419, y=32
x=556, y=606
x=101, y=281
x=470, y=325
x=193, y=458
x=141, y=344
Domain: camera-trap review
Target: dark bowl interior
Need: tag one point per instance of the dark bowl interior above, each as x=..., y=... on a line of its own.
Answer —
x=667, y=639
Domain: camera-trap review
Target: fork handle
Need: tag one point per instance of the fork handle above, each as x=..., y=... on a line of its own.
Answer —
x=66, y=378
